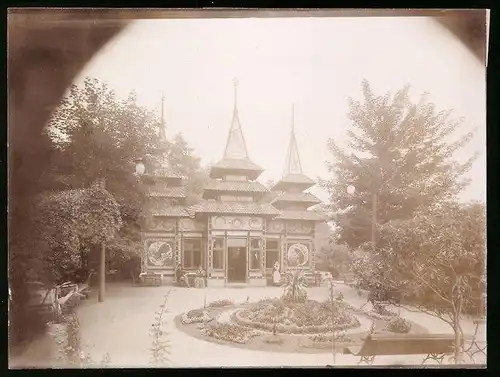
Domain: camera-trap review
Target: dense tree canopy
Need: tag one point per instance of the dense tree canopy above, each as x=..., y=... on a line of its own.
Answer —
x=98, y=135
x=401, y=150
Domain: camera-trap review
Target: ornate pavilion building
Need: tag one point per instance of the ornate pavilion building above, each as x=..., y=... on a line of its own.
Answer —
x=239, y=229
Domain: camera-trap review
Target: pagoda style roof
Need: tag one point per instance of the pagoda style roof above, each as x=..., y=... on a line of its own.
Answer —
x=294, y=180
x=301, y=215
x=240, y=208
x=302, y=197
x=292, y=172
x=170, y=211
x=235, y=186
x=235, y=159
x=162, y=191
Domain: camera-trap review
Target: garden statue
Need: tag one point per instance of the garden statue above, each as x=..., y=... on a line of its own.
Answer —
x=276, y=273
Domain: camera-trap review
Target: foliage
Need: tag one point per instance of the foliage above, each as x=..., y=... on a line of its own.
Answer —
x=407, y=151
x=334, y=258
x=399, y=325
x=72, y=219
x=196, y=316
x=98, y=135
x=228, y=331
x=295, y=318
x=160, y=347
x=66, y=336
x=220, y=303
x=439, y=257
x=294, y=287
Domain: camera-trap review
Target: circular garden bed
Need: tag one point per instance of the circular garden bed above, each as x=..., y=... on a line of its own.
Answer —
x=273, y=325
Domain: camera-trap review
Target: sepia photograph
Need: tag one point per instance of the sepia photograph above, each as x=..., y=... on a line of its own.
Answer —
x=246, y=188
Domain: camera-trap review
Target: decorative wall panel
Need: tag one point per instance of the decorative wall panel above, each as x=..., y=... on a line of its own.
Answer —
x=237, y=222
x=301, y=227
x=275, y=226
x=160, y=253
x=297, y=254
x=161, y=223
x=191, y=225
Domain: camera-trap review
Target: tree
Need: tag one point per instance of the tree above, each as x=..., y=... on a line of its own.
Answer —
x=69, y=220
x=438, y=261
x=97, y=135
x=400, y=150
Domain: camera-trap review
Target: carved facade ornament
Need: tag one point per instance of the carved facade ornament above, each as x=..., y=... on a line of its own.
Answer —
x=276, y=227
x=160, y=253
x=161, y=223
x=297, y=255
x=191, y=225
x=299, y=227
x=237, y=222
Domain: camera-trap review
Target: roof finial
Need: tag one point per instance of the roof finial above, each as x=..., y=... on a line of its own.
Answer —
x=292, y=162
x=235, y=83
x=163, y=132
x=235, y=145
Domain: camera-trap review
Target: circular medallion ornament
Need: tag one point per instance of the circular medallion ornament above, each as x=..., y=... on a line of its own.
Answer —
x=160, y=254
x=276, y=227
x=237, y=223
x=255, y=222
x=297, y=255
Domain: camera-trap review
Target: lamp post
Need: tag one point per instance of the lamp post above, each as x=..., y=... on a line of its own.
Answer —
x=351, y=190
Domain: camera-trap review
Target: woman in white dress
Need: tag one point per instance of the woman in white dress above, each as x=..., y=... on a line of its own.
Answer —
x=276, y=273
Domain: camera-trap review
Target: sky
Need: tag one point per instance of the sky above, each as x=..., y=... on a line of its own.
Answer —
x=314, y=64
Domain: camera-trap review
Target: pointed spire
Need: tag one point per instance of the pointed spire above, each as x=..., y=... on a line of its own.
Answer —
x=235, y=146
x=292, y=162
x=163, y=131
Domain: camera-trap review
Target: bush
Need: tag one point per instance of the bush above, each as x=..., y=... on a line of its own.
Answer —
x=196, y=316
x=220, y=303
x=383, y=311
x=399, y=325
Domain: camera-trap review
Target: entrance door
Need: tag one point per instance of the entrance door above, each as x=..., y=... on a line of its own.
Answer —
x=236, y=264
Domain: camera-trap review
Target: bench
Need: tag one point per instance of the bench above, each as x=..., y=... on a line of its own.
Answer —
x=434, y=346
x=151, y=279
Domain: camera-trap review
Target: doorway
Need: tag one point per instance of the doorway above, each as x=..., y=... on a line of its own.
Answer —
x=237, y=264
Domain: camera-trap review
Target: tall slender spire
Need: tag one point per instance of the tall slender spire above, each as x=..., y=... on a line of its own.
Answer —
x=292, y=162
x=163, y=132
x=235, y=146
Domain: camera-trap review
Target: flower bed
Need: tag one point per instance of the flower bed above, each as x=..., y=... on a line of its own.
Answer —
x=310, y=317
x=196, y=316
x=228, y=331
x=220, y=303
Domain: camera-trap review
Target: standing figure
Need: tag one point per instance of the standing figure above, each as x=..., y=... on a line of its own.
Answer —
x=276, y=273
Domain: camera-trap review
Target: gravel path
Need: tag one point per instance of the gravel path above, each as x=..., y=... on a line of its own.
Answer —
x=120, y=326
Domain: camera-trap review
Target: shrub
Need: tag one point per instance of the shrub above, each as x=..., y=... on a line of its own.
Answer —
x=195, y=316
x=340, y=297
x=399, y=325
x=220, y=303
x=294, y=287
x=379, y=309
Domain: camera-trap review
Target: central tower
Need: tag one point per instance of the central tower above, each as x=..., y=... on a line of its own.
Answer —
x=234, y=214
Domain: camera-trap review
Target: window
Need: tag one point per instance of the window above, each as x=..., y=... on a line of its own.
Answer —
x=255, y=253
x=192, y=253
x=218, y=253
x=272, y=253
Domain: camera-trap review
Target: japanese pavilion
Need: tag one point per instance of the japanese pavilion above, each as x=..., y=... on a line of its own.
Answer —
x=239, y=229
